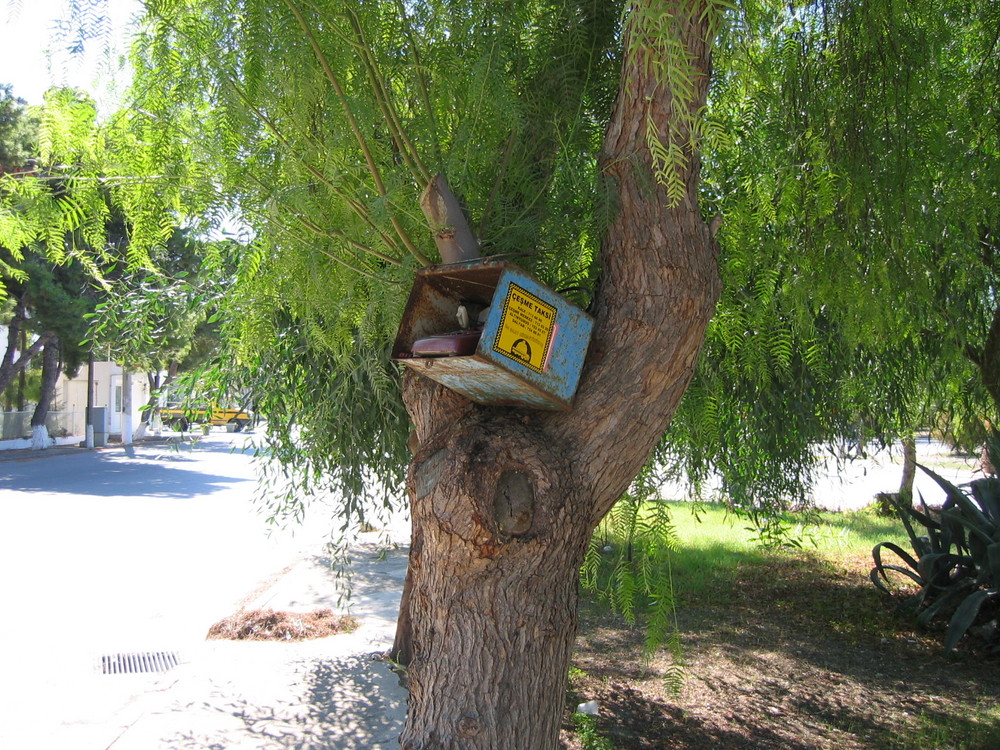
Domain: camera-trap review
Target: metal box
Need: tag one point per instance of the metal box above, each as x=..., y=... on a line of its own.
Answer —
x=533, y=341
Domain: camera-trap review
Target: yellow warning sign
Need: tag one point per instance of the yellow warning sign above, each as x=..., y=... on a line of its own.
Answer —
x=526, y=327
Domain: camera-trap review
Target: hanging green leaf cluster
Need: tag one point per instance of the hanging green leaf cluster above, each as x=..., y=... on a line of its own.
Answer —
x=627, y=567
x=165, y=319
x=314, y=127
x=50, y=203
x=855, y=195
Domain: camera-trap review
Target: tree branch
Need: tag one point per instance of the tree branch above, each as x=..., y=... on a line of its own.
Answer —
x=8, y=374
x=659, y=283
x=418, y=68
x=355, y=128
x=398, y=133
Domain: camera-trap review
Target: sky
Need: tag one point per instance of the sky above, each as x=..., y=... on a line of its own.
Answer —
x=34, y=51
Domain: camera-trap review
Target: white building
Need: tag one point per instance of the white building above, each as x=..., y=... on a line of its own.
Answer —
x=66, y=421
x=71, y=395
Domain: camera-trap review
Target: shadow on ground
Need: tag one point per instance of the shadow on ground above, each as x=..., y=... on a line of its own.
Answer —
x=793, y=654
x=153, y=471
x=350, y=704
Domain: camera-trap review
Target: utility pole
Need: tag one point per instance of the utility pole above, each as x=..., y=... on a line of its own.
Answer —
x=89, y=430
x=126, y=406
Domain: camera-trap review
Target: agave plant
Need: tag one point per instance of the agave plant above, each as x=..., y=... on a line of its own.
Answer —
x=957, y=563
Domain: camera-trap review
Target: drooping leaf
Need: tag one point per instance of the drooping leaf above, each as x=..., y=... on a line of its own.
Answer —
x=964, y=617
x=957, y=497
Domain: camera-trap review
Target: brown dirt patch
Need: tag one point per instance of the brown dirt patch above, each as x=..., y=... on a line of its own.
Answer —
x=269, y=625
x=793, y=655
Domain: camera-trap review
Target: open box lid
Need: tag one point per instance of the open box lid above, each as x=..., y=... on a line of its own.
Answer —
x=533, y=341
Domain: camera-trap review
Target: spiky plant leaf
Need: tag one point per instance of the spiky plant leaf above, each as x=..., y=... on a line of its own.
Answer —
x=956, y=497
x=965, y=616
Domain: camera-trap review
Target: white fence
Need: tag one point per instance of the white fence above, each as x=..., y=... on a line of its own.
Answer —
x=17, y=424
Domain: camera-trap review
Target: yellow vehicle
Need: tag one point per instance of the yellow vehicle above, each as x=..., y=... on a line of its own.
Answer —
x=179, y=417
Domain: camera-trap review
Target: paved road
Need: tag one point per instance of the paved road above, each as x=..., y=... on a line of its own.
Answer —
x=117, y=551
x=142, y=550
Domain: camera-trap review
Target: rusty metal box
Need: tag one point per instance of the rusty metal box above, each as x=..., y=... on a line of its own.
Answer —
x=533, y=341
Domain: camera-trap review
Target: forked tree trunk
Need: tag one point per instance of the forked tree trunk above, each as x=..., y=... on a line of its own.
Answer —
x=153, y=402
x=9, y=366
x=495, y=572
x=504, y=500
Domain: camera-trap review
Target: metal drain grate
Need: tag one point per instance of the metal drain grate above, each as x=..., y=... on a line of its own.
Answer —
x=148, y=661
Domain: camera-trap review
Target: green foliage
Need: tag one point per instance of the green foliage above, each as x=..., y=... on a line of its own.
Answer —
x=151, y=319
x=64, y=240
x=18, y=136
x=855, y=205
x=657, y=43
x=59, y=304
x=957, y=563
x=855, y=199
x=17, y=131
x=13, y=396
x=62, y=206
x=357, y=446
x=322, y=124
x=629, y=567
x=47, y=278
x=588, y=734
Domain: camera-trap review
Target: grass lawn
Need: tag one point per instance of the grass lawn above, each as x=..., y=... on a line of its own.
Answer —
x=782, y=649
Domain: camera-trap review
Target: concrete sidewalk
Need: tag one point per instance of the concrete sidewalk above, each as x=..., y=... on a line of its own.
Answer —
x=326, y=693
x=141, y=549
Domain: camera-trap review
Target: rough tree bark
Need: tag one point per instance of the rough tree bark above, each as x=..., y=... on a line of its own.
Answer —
x=504, y=500
x=987, y=359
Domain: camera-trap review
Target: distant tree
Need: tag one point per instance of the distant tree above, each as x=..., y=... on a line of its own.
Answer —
x=18, y=132
x=164, y=322
x=17, y=356
x=18, y=139
x=50, y=269
x=59, y=300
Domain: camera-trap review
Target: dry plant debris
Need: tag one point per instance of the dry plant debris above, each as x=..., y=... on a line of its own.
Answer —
x=269, y=625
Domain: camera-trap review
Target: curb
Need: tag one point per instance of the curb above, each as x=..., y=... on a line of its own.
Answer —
x=30, y=454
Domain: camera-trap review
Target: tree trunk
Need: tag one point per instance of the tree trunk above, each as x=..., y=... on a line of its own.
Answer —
x=9, y=366
x=987, y=360
x=504, y=500
x=155, y=388
x=127, y=435
x=402, y=645
x=22, y=376
x=51, y=367
x=498, y=541
x=13, y=339
x=909, y=470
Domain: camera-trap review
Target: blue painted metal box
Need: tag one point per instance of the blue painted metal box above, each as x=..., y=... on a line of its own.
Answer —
x=533, y=341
